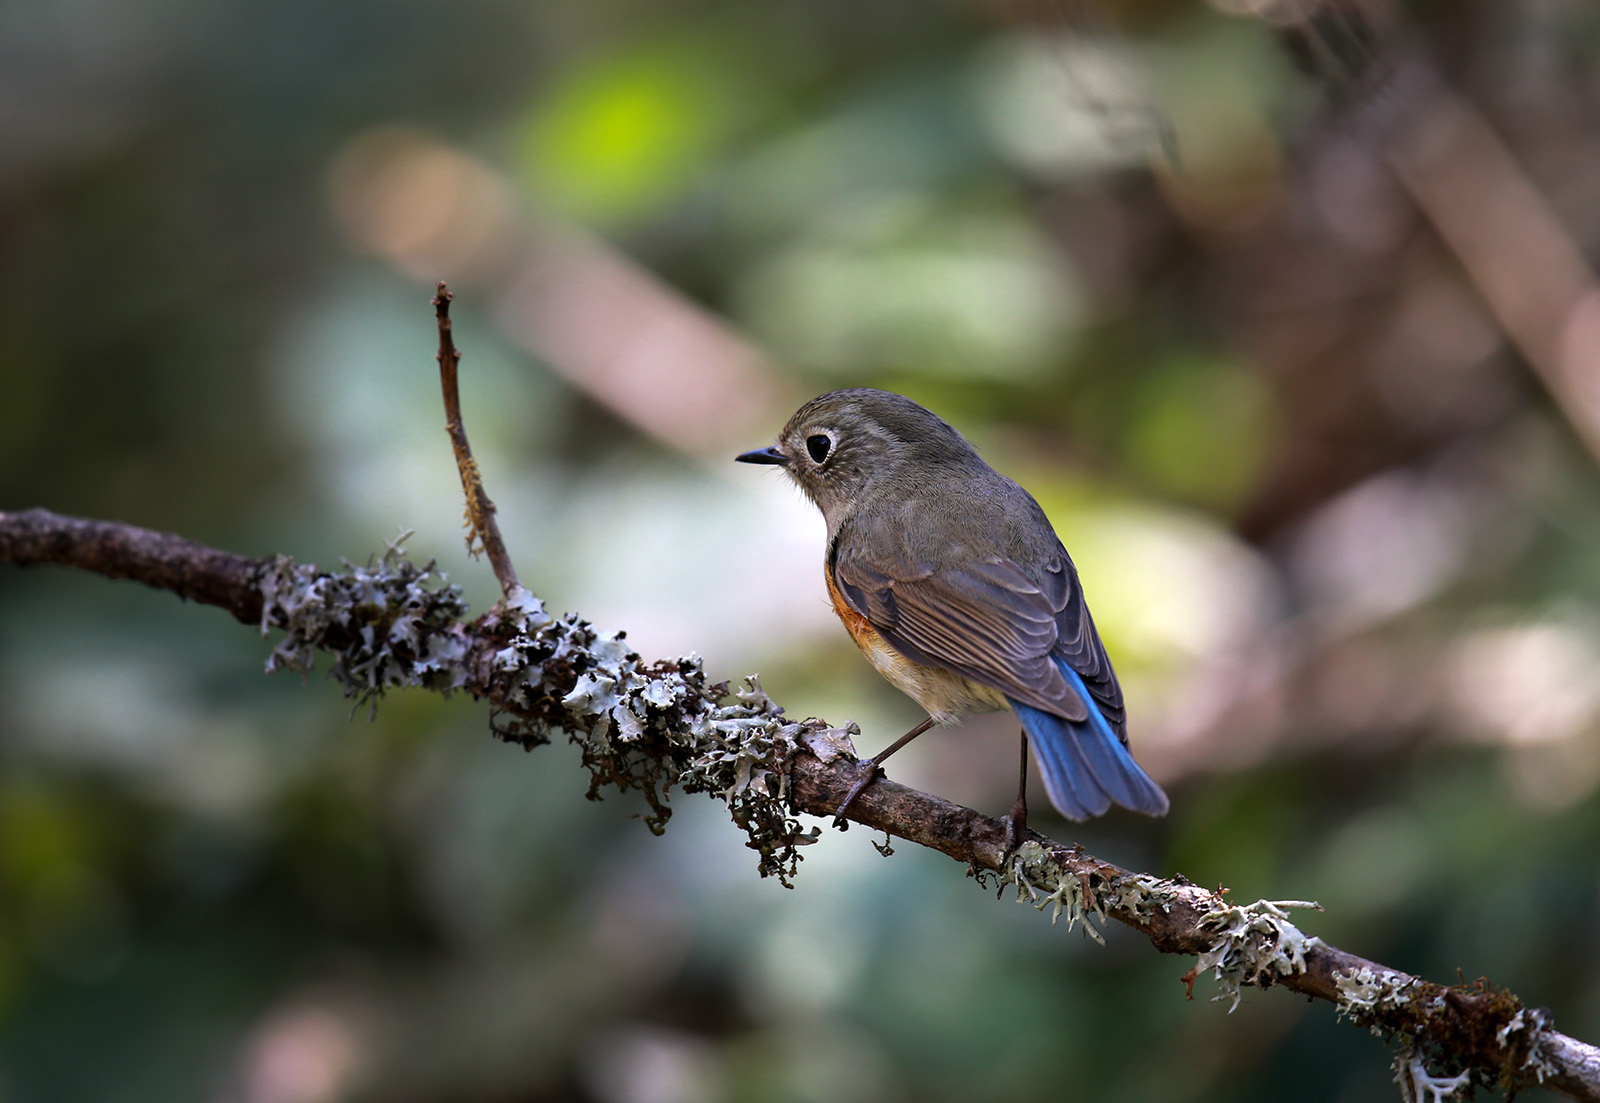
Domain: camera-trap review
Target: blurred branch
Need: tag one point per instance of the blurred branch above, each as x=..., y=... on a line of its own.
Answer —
x=1524, y=264
x=638, y=346
x=662, y=725
x=1470, y=186
x=625, y=337
x=1412, y=244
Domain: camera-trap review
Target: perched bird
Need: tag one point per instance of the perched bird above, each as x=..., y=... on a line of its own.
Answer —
x=951, y=581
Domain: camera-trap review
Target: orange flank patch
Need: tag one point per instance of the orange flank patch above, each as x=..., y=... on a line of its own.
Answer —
x=943, y=693
x=858, y=626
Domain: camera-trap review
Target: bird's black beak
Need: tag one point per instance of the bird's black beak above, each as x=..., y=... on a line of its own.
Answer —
x=769, y=454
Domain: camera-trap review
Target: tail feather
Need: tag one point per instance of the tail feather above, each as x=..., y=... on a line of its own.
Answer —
x=1086, y=768
x=1074, y=792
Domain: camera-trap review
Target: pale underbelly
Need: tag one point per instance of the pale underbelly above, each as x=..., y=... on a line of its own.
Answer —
x=943, y=693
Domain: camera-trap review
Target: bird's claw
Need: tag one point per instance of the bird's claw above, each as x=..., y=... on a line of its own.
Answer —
x=1016, y=822
x=868, y=776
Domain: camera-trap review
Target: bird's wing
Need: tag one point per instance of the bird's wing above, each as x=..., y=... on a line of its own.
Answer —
x=987, y=621
x=1079, y=645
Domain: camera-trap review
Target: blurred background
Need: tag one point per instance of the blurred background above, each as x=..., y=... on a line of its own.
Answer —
x=1282, y=312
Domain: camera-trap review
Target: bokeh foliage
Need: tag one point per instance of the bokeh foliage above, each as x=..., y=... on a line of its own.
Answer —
x=1340, y=541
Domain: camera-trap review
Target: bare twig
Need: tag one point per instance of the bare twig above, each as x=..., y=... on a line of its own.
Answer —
x=162, y=560
x=482, y=528
x=662, y=723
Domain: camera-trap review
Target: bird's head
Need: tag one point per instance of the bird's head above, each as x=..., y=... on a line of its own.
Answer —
x=844, y=447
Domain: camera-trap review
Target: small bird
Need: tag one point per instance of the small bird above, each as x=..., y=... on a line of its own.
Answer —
x=952, y=582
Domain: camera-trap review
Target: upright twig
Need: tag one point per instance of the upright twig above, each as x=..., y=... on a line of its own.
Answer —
x=482, y=529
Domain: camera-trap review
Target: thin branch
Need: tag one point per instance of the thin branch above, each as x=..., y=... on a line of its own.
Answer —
x=650, y=726
x=162, y=560
x=482, y=528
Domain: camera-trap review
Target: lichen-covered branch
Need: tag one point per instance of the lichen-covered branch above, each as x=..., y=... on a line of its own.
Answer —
x=664, y=726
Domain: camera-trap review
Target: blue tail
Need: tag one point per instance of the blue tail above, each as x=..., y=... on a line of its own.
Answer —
x=1086, y=768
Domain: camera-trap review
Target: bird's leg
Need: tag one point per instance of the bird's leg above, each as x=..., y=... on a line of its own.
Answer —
x=1017, y=822
x=870, y=774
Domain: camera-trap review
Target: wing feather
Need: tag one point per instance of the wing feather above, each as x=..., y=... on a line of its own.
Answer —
x=987, y=621
x=1078, y=644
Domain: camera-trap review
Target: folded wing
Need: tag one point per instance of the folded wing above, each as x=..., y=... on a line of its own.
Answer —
x=1035, y=642
x=986, y=621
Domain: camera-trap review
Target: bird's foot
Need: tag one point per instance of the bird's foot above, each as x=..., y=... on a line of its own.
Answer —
x=868, y=776
x=1016, y=822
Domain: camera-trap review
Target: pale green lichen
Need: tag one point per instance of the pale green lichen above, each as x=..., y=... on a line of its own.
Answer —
x=1418, y=1085
x=383, y=625
x=1255, y=944
x=1144, y=894
x=1531, y=1024
x=651, y=727
x=1043, y=883
x=1365, y=993
x=1252, y=944
x=1482, y=1030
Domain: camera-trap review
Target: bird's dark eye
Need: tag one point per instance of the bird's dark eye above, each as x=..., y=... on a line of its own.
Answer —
x=818, y=446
